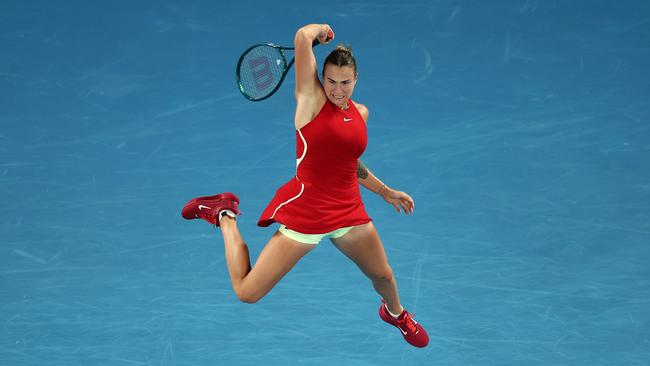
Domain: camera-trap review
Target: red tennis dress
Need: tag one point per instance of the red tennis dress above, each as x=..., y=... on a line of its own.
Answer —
x=324, y=195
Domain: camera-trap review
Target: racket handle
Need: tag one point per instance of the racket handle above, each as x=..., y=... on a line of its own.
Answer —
x=330, y=35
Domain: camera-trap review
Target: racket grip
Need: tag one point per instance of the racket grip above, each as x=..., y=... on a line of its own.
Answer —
x=330, y=35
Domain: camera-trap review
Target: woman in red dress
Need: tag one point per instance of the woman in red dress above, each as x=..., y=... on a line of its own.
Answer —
x=322, y=200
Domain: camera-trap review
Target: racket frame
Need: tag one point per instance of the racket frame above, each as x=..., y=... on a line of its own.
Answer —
x=287, y=67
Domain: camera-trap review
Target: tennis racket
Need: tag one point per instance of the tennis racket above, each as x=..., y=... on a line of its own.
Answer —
x=261, y=69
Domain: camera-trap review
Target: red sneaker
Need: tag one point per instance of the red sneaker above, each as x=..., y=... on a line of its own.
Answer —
x=209, y=207
x=411, y=330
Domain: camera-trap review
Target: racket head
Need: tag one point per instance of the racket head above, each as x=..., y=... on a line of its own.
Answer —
x=261, y=70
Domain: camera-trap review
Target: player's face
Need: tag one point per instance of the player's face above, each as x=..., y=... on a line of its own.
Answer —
x=338, y=83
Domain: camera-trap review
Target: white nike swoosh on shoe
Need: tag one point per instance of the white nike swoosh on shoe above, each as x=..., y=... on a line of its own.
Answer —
x=403, y=332
x=347, y=119
x=201, y=206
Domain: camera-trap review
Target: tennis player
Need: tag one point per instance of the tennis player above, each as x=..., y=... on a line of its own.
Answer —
x=322, y=201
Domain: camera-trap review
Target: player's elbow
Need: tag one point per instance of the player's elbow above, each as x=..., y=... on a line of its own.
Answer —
x=301, y=37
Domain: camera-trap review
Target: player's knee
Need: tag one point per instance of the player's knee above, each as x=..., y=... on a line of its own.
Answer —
x=248, y=299
x=245, y=296
x=385, y=275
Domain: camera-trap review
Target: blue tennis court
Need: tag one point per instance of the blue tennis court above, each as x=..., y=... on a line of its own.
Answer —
x=520, y=127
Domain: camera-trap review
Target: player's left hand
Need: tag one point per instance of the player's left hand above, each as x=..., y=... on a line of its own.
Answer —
x=400, y=200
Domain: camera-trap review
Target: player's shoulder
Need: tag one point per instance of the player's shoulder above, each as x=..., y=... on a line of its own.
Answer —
x=363, y=110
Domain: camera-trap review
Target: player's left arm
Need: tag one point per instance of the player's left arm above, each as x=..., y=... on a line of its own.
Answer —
x=400, y=200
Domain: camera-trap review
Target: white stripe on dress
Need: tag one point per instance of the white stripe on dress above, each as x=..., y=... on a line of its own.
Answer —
x=298, y=161
x=304, y=151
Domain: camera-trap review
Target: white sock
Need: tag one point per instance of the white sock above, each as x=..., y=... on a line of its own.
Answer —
x=391, y=314
x=227, y=212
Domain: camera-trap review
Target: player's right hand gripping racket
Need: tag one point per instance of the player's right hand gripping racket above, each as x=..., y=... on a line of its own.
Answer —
x=261, y=69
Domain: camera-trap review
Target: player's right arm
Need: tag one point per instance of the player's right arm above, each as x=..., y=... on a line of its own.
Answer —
x=309, y=92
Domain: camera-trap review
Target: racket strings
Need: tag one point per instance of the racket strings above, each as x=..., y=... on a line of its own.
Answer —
x=261, y=71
